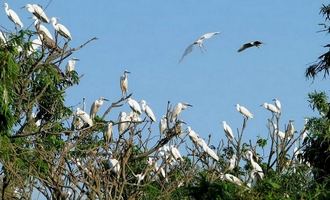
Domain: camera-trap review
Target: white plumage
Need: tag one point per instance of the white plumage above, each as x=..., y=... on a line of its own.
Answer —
x=244, y=111
x=228, y=131
x=163, y=124
x=272, y=108
x=145, y=108
x=255, y=165
x=84, y=116
x=108, y=132
x=178, y=109
x=96, y=106
x=13, y=16
x=61, y=29
x=134, y=105
x=124, y=83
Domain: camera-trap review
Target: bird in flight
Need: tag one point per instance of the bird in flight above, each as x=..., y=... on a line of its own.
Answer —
x=250, y=44
x=199, y=42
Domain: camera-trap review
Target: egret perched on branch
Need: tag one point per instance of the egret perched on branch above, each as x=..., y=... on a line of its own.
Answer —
x=134, y=105
x=272, y=108
x=176, y=153
x=244, y=111
x=122, y=122
x=254, y=164
x=3, y=38
x=232, y=162
x=124, y=83
x=277, y=104
x=228, y=131
x=41, y=28
x=61, y=29
x=199, y=42
x=114, y=165
x=178, y=109
x=84, y=116
x=248, y=45
x=70, y=66
x=290, y=129
x=162, y=124
x=37, y=11
x=147, y=110
x=13, y=16
x=108, y=132
x=96, y=106
x=232, y=178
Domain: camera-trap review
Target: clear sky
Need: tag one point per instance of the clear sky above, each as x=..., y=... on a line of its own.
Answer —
x=147, y=37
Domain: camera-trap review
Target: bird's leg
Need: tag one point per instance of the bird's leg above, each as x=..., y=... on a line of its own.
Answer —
x=201, y=48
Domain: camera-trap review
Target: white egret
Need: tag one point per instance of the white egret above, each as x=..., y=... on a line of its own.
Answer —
x=37, y=11
x=250, y=44
x=232, y=178
x=232, y=162
x=61, y=29
x=272, y=108
x=70, y=66
x=140, y=177
x=134, y=105
x=193, y=135
x=133, y=117
x=211, y=153
x=124, y=83
x=162, y=124
x=41, y=28
x=228, y=131
x=13, y=16
x=290, y=129
x=107, y=134
x=35, y=44
x=277, y=104
x=147, y=110
x=244, y=111
x=122, y=122
x=254, y=164
x=176, y=153
x=3, y=38
x=178, y=109
x=96, y=106
x=84, y=116
x=199, y=42
x=114, y=165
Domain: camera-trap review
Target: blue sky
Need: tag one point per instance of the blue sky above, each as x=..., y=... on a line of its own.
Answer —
x=148, y=37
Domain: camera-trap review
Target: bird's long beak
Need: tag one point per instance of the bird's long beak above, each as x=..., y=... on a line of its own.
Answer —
x=76, y=59
x=187, y=104
x=106, y=99
x=23, y=7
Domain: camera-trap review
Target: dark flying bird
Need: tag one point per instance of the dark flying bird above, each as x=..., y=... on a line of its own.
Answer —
x=199, y=43
x=250, y=44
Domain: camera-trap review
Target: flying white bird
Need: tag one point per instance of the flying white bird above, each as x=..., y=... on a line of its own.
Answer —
x=248, y=45
x=277, y=104
x=61, y=29
x=107, y=134
x=70, y=66
x=147, y=110
x=272, y=108
x=134, y=105
x=178, y=109
x=163, y=124
x=114, y=165
x=124, y=83
x=228, y=131
x=199, y=42
x=13, y=16
x=84, y=116
x=122, y=122
x=254, y=164
x=244, y=111
x=96, y=106
x=175, y=153
x=37, y=11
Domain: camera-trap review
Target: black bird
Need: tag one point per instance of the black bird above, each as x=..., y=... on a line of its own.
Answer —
x=250, y=44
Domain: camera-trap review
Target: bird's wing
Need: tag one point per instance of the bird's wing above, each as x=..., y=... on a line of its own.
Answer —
x=244, y=46
x=208, y=35
x=187, y=51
